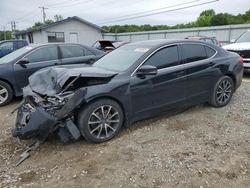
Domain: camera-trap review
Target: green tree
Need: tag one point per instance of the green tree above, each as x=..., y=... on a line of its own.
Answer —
x=7, y=35
x=209, y=12
x=58, y=17
x=220, y=19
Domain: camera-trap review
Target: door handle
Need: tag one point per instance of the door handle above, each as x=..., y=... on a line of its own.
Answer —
x=91, y=60
x=56, y=64
x=210, y=63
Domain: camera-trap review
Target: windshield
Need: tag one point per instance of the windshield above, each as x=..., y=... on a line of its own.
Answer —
x=245, y=37
x=14, y=55
x=121, y=58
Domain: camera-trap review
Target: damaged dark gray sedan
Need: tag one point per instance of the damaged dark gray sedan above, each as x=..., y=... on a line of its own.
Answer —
x=134, y=82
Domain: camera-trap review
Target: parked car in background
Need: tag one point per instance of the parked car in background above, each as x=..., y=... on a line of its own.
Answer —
x=16, y=67
x=8, y=46
x=108, y=45
x=136, y=81
x=211, y=40
x=241, y=46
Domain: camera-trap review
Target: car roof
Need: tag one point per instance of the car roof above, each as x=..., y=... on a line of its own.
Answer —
x=160, y=42
x=56, y=43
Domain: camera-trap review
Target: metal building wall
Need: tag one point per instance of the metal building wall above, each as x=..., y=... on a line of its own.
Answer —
x=223, y=33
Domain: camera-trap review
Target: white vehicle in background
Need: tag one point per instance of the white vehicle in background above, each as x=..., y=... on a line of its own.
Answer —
x=242, y=47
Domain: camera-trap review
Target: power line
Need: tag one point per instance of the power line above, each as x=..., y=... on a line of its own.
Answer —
x=44, y=14
x=67, y=1
x=87, y=1
x=151, y=14
x=145, y=12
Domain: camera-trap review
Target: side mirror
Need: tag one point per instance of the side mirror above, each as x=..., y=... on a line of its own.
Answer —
x=146, y=70
x=232, y=41
x=23, y=61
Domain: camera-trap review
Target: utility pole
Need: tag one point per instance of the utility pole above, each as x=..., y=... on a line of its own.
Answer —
x=44, y=14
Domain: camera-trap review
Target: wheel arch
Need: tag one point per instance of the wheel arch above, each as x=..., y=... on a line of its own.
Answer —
x=10, y=84
x=232, y=76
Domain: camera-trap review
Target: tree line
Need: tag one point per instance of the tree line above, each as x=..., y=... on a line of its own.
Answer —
x=206, y=18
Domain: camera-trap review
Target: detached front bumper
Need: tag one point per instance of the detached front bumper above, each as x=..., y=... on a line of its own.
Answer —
x=33, y=123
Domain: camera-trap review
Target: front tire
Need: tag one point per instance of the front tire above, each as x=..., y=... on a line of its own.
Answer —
x=6, y=93
x=100, y=120
x=222, y=92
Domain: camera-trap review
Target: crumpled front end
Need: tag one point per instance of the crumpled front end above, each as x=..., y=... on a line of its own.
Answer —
x=38, y=117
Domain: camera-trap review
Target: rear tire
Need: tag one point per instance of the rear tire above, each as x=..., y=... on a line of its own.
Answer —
x=100, y=120
x=222, y=92
x=6, y=93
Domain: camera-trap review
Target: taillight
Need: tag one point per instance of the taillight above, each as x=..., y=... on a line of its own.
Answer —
x=241, y=60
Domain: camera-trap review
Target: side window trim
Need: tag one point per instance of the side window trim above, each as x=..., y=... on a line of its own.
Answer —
x=25, y=56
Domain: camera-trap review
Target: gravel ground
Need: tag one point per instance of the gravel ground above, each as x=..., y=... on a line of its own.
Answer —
x=201, y=147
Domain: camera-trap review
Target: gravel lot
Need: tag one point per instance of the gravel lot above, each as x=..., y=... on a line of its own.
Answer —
x=201, y=147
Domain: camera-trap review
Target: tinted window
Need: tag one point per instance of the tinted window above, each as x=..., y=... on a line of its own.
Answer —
x=164, y=58
x=6, y=46
x=193, y=52
x=71, y=51
x=87, y=52
x=210, y=52
x=43, y=54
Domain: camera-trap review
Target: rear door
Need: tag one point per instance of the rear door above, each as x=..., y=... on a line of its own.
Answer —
x=201, y=73
x=39, y=58
x=75, y=54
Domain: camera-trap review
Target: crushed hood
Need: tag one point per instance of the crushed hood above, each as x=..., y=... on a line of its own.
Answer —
x=238, y=46
x=50, y=81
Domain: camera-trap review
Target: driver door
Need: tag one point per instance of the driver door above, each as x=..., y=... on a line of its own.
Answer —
x=39, y=58
x=157, y=93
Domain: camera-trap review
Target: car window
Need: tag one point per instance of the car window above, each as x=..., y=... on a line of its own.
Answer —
x=165, y=57
x=210, y=52
x=87, y=52
x=20, y=44
x=71, y=51
x=43, y=54
x=6, y=46
x=193, y=52
x=121, y=58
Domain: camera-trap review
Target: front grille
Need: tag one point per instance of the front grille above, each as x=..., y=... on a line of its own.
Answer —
x=243, y=53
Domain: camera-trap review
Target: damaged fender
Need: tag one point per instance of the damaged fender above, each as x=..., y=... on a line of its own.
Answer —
x=33, y=121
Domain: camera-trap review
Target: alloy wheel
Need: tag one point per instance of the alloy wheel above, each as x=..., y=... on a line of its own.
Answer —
x=104, y=122
x=3, y=94
x=224, y=92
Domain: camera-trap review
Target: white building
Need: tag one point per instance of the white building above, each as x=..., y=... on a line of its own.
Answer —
x=72, y=29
